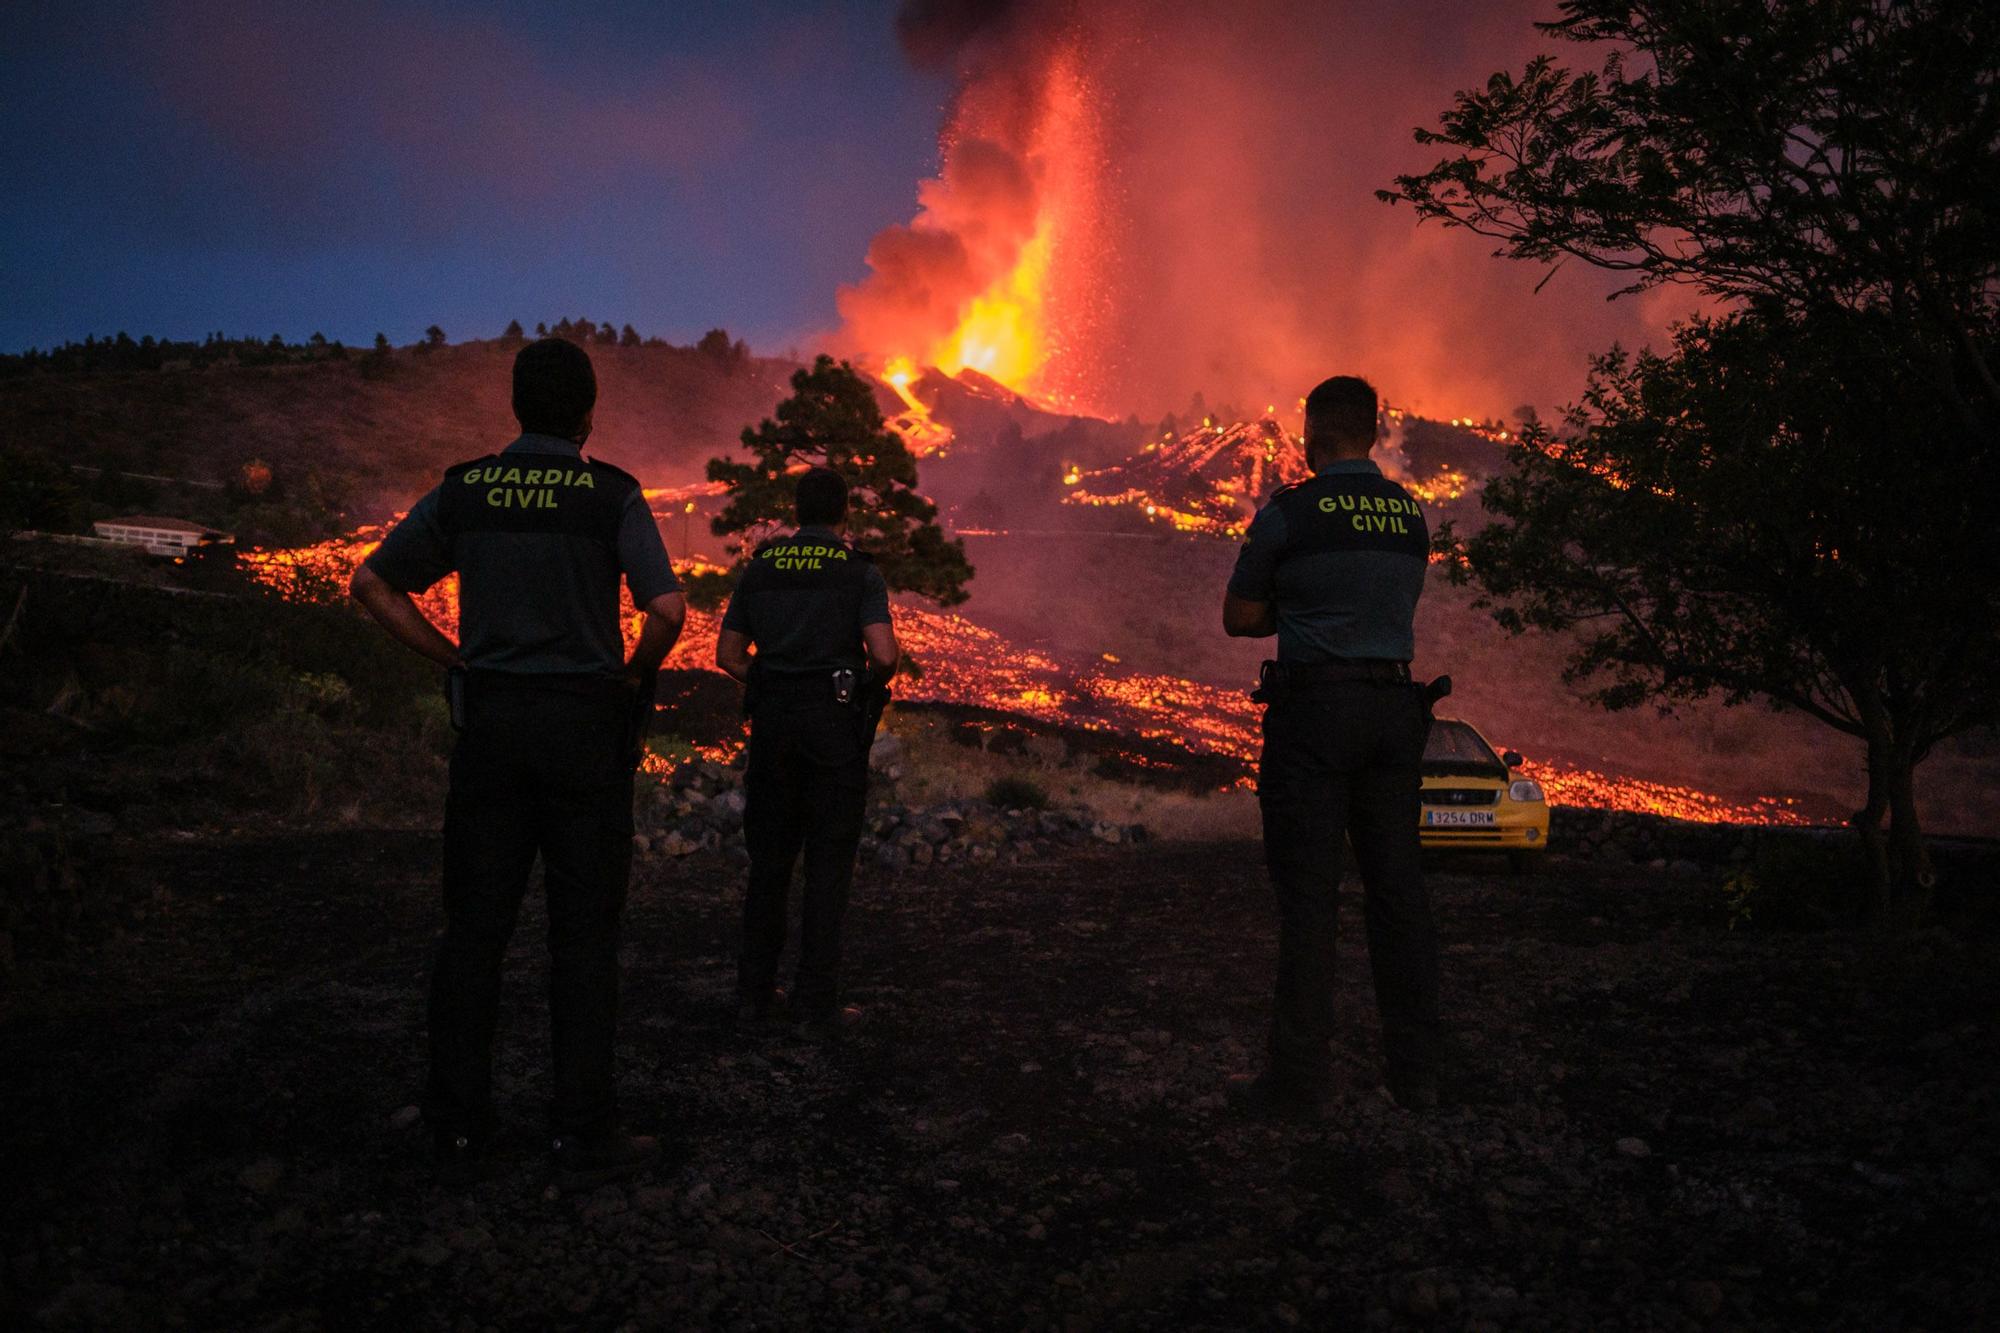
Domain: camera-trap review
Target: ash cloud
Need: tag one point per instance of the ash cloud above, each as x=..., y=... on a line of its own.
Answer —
x=933, y=33
x=1239, y=249
x=975, y=217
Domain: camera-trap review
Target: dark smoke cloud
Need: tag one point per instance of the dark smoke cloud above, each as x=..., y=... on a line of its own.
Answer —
x=934, y=32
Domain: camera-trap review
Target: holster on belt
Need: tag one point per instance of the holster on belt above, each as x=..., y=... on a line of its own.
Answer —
x=874, y=700
x=1435, y=689
x=454, y=696
x=644, y=702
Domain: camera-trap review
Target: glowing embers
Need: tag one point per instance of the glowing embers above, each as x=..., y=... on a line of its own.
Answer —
x=1442, y=486
x=1208, y=480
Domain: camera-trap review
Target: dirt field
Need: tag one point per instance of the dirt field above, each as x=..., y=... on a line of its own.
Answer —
x=1650, y=1122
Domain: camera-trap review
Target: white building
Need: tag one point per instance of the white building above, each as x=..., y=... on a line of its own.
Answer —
x=159, y=536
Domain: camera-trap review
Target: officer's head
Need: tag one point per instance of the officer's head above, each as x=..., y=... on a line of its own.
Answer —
x=554, y=389
x=1340, y=420
x=820, y=500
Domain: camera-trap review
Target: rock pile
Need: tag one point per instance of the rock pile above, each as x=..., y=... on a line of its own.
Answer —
x=700, y=808
x=1623, y=837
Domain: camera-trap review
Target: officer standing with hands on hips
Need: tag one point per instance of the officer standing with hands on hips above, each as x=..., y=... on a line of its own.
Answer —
x=816, y=611
x=1333, y=566
x=548, y=709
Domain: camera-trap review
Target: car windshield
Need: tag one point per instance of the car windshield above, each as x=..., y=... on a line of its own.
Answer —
x=1458, y=745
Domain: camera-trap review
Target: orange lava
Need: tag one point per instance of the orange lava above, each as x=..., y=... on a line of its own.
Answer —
x=965, y=663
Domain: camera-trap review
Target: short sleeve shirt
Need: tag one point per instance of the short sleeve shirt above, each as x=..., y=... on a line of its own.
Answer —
x=1341, y=558
x=803, y=601
x=540, y=538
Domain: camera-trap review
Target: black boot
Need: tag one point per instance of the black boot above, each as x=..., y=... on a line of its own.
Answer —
x=461, y=1160
x=829, y=1027
x=580, y=1163
x=1267, y=1097
x=1414, y=1090
x=756, y=1015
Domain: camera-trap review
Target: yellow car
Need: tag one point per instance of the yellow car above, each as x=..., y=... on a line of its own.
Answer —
x=1473, y=800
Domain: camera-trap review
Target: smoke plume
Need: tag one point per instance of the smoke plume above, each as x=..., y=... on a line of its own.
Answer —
x=1190, y=190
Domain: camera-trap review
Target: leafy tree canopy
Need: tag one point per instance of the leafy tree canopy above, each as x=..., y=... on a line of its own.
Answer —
x=1789, y=504
x=832, y=419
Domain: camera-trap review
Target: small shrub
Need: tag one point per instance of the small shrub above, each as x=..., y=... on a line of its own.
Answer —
x=1017, y=793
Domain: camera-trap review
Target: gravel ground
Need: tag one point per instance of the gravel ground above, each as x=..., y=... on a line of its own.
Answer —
x=1650, y=1122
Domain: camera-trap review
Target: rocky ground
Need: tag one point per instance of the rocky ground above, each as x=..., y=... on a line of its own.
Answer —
x=1651, y=1121
x=700, y=808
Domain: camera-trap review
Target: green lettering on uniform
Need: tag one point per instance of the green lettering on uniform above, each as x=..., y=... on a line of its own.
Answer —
x=587, y=481
x=495, y=497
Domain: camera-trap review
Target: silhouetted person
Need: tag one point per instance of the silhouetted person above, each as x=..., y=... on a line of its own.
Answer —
x=1333, y=566
x=547, y=706
x=817, y=612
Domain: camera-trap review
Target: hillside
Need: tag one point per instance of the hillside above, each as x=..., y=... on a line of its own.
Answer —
x=349, y=439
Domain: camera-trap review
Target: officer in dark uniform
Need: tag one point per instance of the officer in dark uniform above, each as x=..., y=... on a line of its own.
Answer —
x=548, y=707
x=1333, y=566
x=816, y=612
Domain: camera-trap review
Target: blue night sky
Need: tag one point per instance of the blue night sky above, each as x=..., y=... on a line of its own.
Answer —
x=262, y=168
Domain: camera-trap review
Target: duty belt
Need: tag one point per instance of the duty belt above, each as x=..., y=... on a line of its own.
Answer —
x=1303, y=675
x=589, y=684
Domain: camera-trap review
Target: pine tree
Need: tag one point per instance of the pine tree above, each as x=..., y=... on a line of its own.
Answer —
x=832, y=419
x=629, y=337
x=513, y=332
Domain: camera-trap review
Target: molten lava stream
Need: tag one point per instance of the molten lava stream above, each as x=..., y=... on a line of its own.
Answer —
x=965, y=663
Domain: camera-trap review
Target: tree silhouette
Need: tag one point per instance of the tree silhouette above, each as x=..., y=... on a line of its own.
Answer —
x=513, y=333
x=832, y=419
x=629, y=337
x=1793, y=503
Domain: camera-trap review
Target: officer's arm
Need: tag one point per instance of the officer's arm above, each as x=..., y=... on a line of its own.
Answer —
x=665, y=615
x=732, y=653
x=398, y=613
x=880, y=642
x=1243, y=618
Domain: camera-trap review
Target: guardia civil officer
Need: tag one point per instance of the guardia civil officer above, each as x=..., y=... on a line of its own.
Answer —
x=816, y=612
x=1333, y=566
x=547, y=705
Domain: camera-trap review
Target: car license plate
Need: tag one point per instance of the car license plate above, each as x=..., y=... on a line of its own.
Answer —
x=1447, y=818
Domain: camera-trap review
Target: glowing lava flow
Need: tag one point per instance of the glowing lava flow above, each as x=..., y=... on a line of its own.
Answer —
x=925, y=436
x=1211, y=480
x=968, y=664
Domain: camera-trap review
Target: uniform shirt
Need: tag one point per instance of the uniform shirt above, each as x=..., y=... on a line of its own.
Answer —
x=539, y=536
x=1342, y=558
x=803, y=600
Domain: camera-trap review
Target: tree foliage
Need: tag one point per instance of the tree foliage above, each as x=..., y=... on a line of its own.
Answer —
x=1791, y=503
x=832, y=419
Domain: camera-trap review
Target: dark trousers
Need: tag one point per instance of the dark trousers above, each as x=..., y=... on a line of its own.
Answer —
x=548, y=772
x=1344, y=760
x=805, y=788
